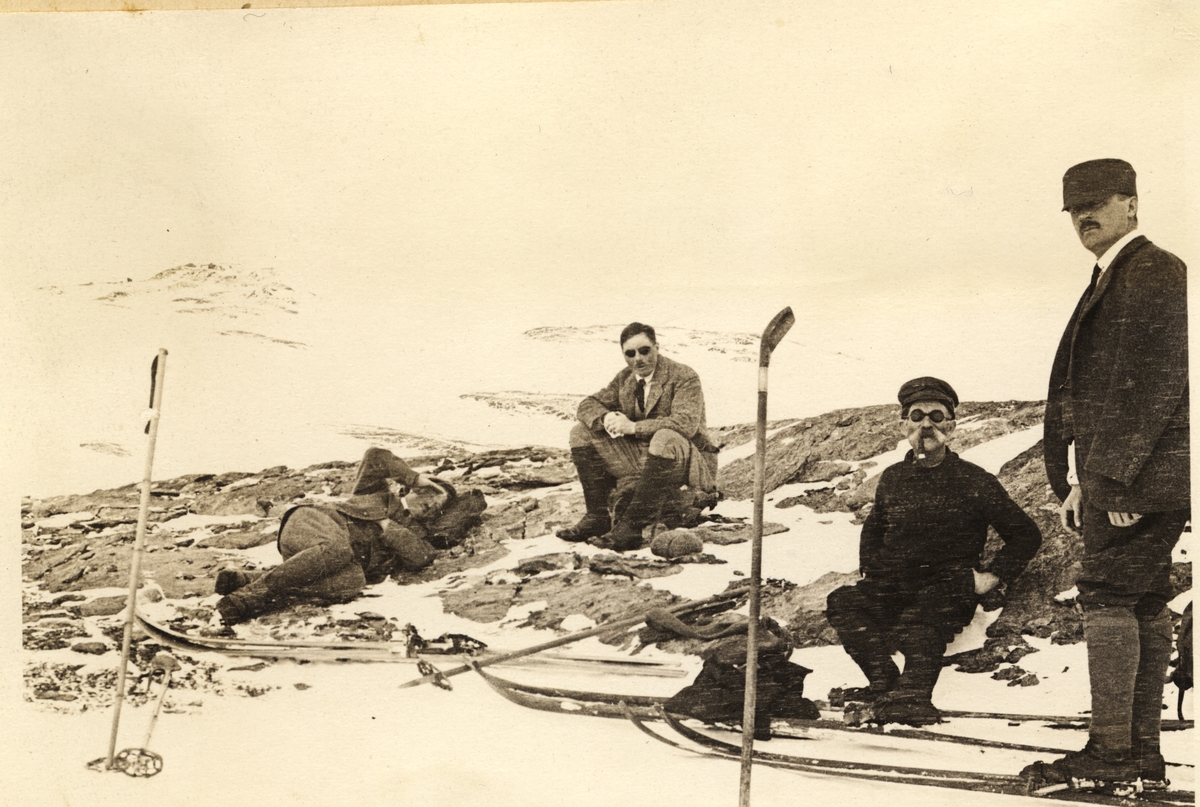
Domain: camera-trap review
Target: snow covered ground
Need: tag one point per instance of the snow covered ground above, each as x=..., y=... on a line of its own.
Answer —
x=340, y=733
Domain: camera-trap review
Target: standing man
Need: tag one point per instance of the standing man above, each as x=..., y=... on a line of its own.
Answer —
x=1119, y=397
x=645, y=430
x=920, y=556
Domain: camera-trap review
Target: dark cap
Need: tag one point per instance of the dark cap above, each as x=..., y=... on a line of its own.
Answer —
x=1096, y=180
x=927, y=388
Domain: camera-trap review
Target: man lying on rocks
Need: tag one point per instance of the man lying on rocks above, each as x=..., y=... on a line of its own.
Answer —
x=920, y=558
x=331, y=551
x=636, y=442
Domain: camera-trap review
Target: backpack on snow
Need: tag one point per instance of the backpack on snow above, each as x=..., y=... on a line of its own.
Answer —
x=718, y=693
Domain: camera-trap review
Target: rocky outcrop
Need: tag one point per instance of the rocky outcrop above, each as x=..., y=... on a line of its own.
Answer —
x=814, y=449
x=80, y=543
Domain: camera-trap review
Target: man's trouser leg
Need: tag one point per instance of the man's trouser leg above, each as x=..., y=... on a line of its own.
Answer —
x=1113, y=652
x=1154, y=636
x=597, y=483
x=1125, y=581
x=376, y=467
x=662, y=474
x=923, y=647
x=860, y=623
x=314, y=547
x=927, y=624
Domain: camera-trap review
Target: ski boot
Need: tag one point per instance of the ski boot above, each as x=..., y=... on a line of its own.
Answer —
x=909, y=708
x=1084, y=770
x=1154, y=773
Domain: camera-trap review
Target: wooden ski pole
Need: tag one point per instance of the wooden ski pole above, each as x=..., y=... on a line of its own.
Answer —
x=158, y=370
x=608, y=627
x=776, y=329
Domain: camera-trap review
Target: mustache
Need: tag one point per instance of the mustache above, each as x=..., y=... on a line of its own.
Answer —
x=1089, y=225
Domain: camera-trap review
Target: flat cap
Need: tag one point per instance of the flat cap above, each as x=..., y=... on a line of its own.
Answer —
x=927, y=388
x=1096, y=180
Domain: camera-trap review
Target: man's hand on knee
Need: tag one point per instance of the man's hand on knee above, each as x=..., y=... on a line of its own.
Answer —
x=617, y=425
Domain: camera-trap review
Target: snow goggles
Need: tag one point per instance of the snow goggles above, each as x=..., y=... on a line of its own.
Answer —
x=937, y=415
x=644, y=350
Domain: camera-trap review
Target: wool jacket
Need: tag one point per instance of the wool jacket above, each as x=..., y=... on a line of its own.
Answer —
x=1119, y=388
x=674, y=401
x=929, y=524
x=380, y=552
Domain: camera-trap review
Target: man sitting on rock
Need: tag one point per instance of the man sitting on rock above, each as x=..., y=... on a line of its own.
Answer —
x=920, y=554
x=332, y=551
x=644, y=433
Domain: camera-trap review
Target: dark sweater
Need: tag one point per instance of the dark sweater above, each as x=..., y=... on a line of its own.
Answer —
x=929, y=523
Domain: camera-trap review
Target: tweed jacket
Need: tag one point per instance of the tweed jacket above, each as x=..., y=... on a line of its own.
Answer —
x=1119, y=387
x=674, y=401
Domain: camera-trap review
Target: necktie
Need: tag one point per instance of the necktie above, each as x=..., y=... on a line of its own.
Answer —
x=1092, y=286
x=641, y=394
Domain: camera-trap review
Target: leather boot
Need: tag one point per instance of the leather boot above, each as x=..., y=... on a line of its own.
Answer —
x=909, y=708
x=246, y=603
x=660, y=477
x=597, y=485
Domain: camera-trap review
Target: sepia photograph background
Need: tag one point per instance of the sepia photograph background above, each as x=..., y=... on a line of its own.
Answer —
x=446, y=213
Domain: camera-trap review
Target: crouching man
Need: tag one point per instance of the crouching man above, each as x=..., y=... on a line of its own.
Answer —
x=645, y=433
x=920, y=554
x=332, y=551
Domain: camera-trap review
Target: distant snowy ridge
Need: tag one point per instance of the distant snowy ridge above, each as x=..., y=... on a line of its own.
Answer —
x=198, y=289
x=734, y=345
x=407, y=444
x=561, y=406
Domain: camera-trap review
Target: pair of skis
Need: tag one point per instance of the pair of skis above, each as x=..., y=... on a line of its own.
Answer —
x=1001, y=784
x=643, y=710
x=368, y=651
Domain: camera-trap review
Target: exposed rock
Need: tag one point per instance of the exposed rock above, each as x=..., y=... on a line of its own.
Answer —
x=802, y=609
x=481, y=603
x=559, y=561
x=633, y=568
x=74, y=543
x=1008, y=674
x=94, y=648
x=822, y=471
x=724, y=534
x=103, y=606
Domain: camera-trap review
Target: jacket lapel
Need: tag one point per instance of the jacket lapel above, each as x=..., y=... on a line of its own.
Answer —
x=1106, y=278
x=662, y=372
x=1102, y=285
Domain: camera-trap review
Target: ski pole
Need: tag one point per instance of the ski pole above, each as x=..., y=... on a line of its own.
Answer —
x=167, y=663
x=776, y=329
x=142, y=762
x=574, y=637
x=158, y=370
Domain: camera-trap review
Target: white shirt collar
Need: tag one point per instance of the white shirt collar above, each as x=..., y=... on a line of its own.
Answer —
x=1111, y=253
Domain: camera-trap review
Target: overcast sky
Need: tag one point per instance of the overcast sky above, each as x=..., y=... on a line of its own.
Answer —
x=890, y=170
x=590, y=144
